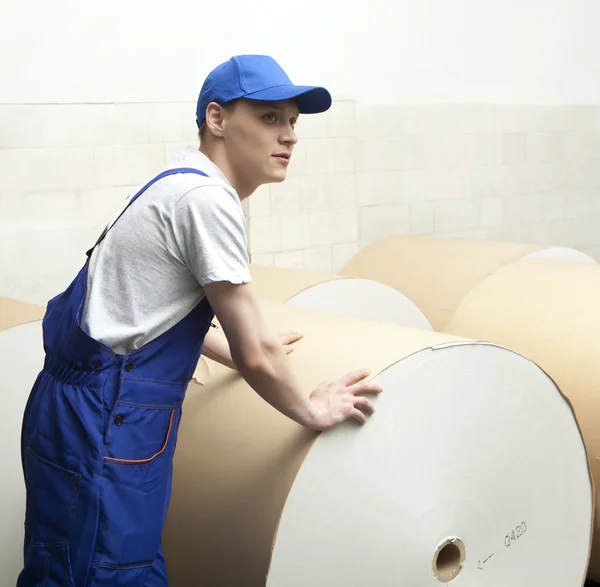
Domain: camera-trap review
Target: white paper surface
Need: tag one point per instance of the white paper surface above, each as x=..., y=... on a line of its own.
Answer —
x=562, y=254
x=21, y=359
x=362, y=298
x=470, y=441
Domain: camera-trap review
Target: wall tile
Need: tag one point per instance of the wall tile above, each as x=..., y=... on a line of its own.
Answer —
x=318, y=259
x=447, y=184
x=341, y=254
x=38, y=126
x=386, y=187
x=40, y=211
x=46, y=169
x=342, y=156
x=295, y=232
x=313, y=195
x=311, y=126
x=298, y=163
x=319, y=156
x=438, y=150
x=515, y=148
x=553, y=206
x=165, y=123
x=484, y=149
x=545, y=146
x=127, y=164
x=333, y=226
x=545, y=177
x=483, y=181
x=73, y=125
x=112, y=166
x=145, y=161
x=377, y=222
x=446, y=216
x=385, y=154
x=359, y=173
x=97, y=206
x=515, y=179
x=512, y=209
x=265, y=234
x=259, y=203
x=267, y=259
x=594, y=144
x=491, y=211
x=340, y=119
x=532, y=208
x=289, y=260
x=422, y=217
x=340, y=191
x=286, y=197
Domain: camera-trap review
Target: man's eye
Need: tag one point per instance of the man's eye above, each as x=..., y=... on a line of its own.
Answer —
x=270, y=117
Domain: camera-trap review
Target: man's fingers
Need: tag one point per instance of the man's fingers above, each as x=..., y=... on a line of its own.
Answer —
x=365, y=387
x=288, y=348
x=290, y=337
x=358, y=416
x=354, y=377
x=362, y=403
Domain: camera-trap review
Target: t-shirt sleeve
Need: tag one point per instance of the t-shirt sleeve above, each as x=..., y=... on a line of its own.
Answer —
x=210, y=233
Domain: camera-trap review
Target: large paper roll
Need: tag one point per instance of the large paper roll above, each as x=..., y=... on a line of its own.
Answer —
x=551, y=314
x=21, y=359
x=337, y=294
x=14, y=312
x=437, y=273
x=472, y=468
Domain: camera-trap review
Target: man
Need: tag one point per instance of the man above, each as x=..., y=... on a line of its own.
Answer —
x=123, y=340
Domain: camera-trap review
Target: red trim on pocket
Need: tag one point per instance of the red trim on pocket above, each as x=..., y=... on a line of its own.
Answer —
x=153, y=456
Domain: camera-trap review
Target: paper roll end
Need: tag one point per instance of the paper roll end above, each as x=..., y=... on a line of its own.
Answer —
x=448, y=559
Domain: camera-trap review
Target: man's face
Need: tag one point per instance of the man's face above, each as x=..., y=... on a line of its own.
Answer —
x=259, y=138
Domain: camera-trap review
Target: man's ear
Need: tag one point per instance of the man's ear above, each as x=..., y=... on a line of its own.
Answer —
x=215, y=119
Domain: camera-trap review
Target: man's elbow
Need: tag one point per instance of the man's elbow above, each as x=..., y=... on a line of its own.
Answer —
x=256, y=359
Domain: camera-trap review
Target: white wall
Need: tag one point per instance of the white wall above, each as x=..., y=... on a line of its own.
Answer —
x=513, y=173
x=499, y=51
x=96, y=96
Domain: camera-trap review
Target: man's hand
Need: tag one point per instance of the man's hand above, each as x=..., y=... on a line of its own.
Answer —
x=336, y=401
x=217, y=348
x=339, y=400
x=288, y=338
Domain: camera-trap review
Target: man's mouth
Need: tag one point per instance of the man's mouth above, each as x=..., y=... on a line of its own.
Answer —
x=283, y=158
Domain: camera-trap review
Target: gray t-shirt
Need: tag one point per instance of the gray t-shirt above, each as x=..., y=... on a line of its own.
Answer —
x=183, y=232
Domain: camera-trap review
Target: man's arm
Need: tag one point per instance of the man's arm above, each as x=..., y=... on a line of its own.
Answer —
x=208, y=225
x=217, y=349
x=261, y=360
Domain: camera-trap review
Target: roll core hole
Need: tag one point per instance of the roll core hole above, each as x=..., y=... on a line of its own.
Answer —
x=448, y=560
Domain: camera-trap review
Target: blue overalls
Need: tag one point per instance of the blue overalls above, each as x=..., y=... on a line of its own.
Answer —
x=98, y=438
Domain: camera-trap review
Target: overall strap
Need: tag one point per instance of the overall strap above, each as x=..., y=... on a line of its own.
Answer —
x=152, y=181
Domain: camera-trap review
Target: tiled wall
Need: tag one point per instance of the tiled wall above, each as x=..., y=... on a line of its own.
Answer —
x=64, y=170
x=360, y=172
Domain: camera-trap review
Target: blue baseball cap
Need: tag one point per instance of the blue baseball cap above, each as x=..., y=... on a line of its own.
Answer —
x=257, y=77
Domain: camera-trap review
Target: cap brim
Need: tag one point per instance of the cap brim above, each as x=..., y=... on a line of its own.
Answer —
x=311, y=99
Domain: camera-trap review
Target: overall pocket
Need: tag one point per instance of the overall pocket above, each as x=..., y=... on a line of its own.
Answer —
x=51, y=502
x=47, y=566
x=135, y=493
x=105, y=575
